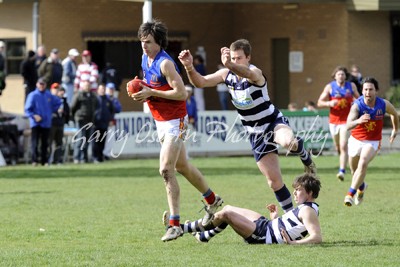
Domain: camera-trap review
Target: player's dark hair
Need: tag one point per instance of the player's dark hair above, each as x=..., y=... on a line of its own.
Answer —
x=157, y=29
x=370, y=80
x=241, y=44
x=340, y=68
x=309, y=182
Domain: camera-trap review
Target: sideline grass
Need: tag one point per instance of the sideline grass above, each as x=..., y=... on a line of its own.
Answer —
x=110, y=215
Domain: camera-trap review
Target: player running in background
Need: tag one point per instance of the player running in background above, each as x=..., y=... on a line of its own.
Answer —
x=166, y=96
x=338, y=96
x=366, y=121
x=265, y=124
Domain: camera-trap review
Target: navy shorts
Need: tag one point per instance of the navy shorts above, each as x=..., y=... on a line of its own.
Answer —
x=263, y=144
x=259, y=234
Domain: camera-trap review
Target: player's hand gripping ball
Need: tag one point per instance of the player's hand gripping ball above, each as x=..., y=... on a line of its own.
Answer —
x=134, y=86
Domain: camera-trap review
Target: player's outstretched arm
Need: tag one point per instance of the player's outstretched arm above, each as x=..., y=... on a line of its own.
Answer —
x=195, y=78
x=394, y=117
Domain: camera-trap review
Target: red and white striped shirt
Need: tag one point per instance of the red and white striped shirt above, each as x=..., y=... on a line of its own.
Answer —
x=87, y=72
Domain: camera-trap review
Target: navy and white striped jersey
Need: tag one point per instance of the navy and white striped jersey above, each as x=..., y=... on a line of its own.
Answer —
x=252, y=103
x=291, y=223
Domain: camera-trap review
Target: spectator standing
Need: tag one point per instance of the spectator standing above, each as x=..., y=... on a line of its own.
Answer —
x=51, y=69
x=29, y=73
x=110, y=90
x=191, y=108
x=198, y=63
x=69, y=73
x=356, y=77
x=59, y=118
x=87, y=71
x=83, y=107
x=102, y=119
x=39, y=107
x=110, y=75
x=40, y=56
x=2, y=67
x=223, y=93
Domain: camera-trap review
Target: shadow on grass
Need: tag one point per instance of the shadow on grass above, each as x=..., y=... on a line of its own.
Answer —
x=109, y=171
x=74, y=172
x=358, y=243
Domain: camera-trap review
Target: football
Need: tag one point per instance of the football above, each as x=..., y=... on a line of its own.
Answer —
x=134, y=86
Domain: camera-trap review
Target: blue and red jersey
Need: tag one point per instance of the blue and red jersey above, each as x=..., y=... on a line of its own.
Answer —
x=162, y=109
x=371, y=130
x=338, y=114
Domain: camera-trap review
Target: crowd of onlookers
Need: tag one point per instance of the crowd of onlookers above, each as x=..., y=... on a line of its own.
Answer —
x=61, y=93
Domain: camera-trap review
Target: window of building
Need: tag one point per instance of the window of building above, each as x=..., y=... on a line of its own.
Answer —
x=15, y=53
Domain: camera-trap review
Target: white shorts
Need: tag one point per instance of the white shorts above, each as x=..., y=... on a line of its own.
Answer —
x=335, y=128
x=176, y=128
x=355, y=146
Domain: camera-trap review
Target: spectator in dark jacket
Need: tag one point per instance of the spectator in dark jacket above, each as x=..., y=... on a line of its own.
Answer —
x=111, y=131
x=110, y=75
x=29, y=73
x=51, y=69
x=2, y=67
x=59, y=118
x=103, y=118
x=83, y=107
x=39, y=107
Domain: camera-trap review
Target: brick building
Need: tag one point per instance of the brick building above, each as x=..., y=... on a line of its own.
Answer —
x=297, y=45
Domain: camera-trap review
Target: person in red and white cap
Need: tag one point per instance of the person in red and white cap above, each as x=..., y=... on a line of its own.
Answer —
x=87, y=71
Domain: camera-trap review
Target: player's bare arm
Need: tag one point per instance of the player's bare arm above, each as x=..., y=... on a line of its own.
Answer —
x=195, y=78
x=174, y=80
x=394, y=117
x=355, y=91
x=310, y=220
x=253, y=74
x=323, y=100
x=352, y=118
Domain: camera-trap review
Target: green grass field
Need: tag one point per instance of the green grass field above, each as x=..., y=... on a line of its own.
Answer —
x=110, y=215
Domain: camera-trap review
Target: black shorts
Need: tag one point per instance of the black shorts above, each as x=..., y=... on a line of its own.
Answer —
x=259, y=234
x=263, y=144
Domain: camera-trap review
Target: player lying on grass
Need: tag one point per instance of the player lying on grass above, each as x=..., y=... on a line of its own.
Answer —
x=298, y=226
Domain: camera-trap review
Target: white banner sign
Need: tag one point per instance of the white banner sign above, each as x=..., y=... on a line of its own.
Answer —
x=218, y=132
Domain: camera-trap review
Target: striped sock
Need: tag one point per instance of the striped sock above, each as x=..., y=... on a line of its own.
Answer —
x=195, y=226
x=207, y=235
x=351, y=192
x=284, y=198
x=304, y=155
x=209, y=196
x=342, y=170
